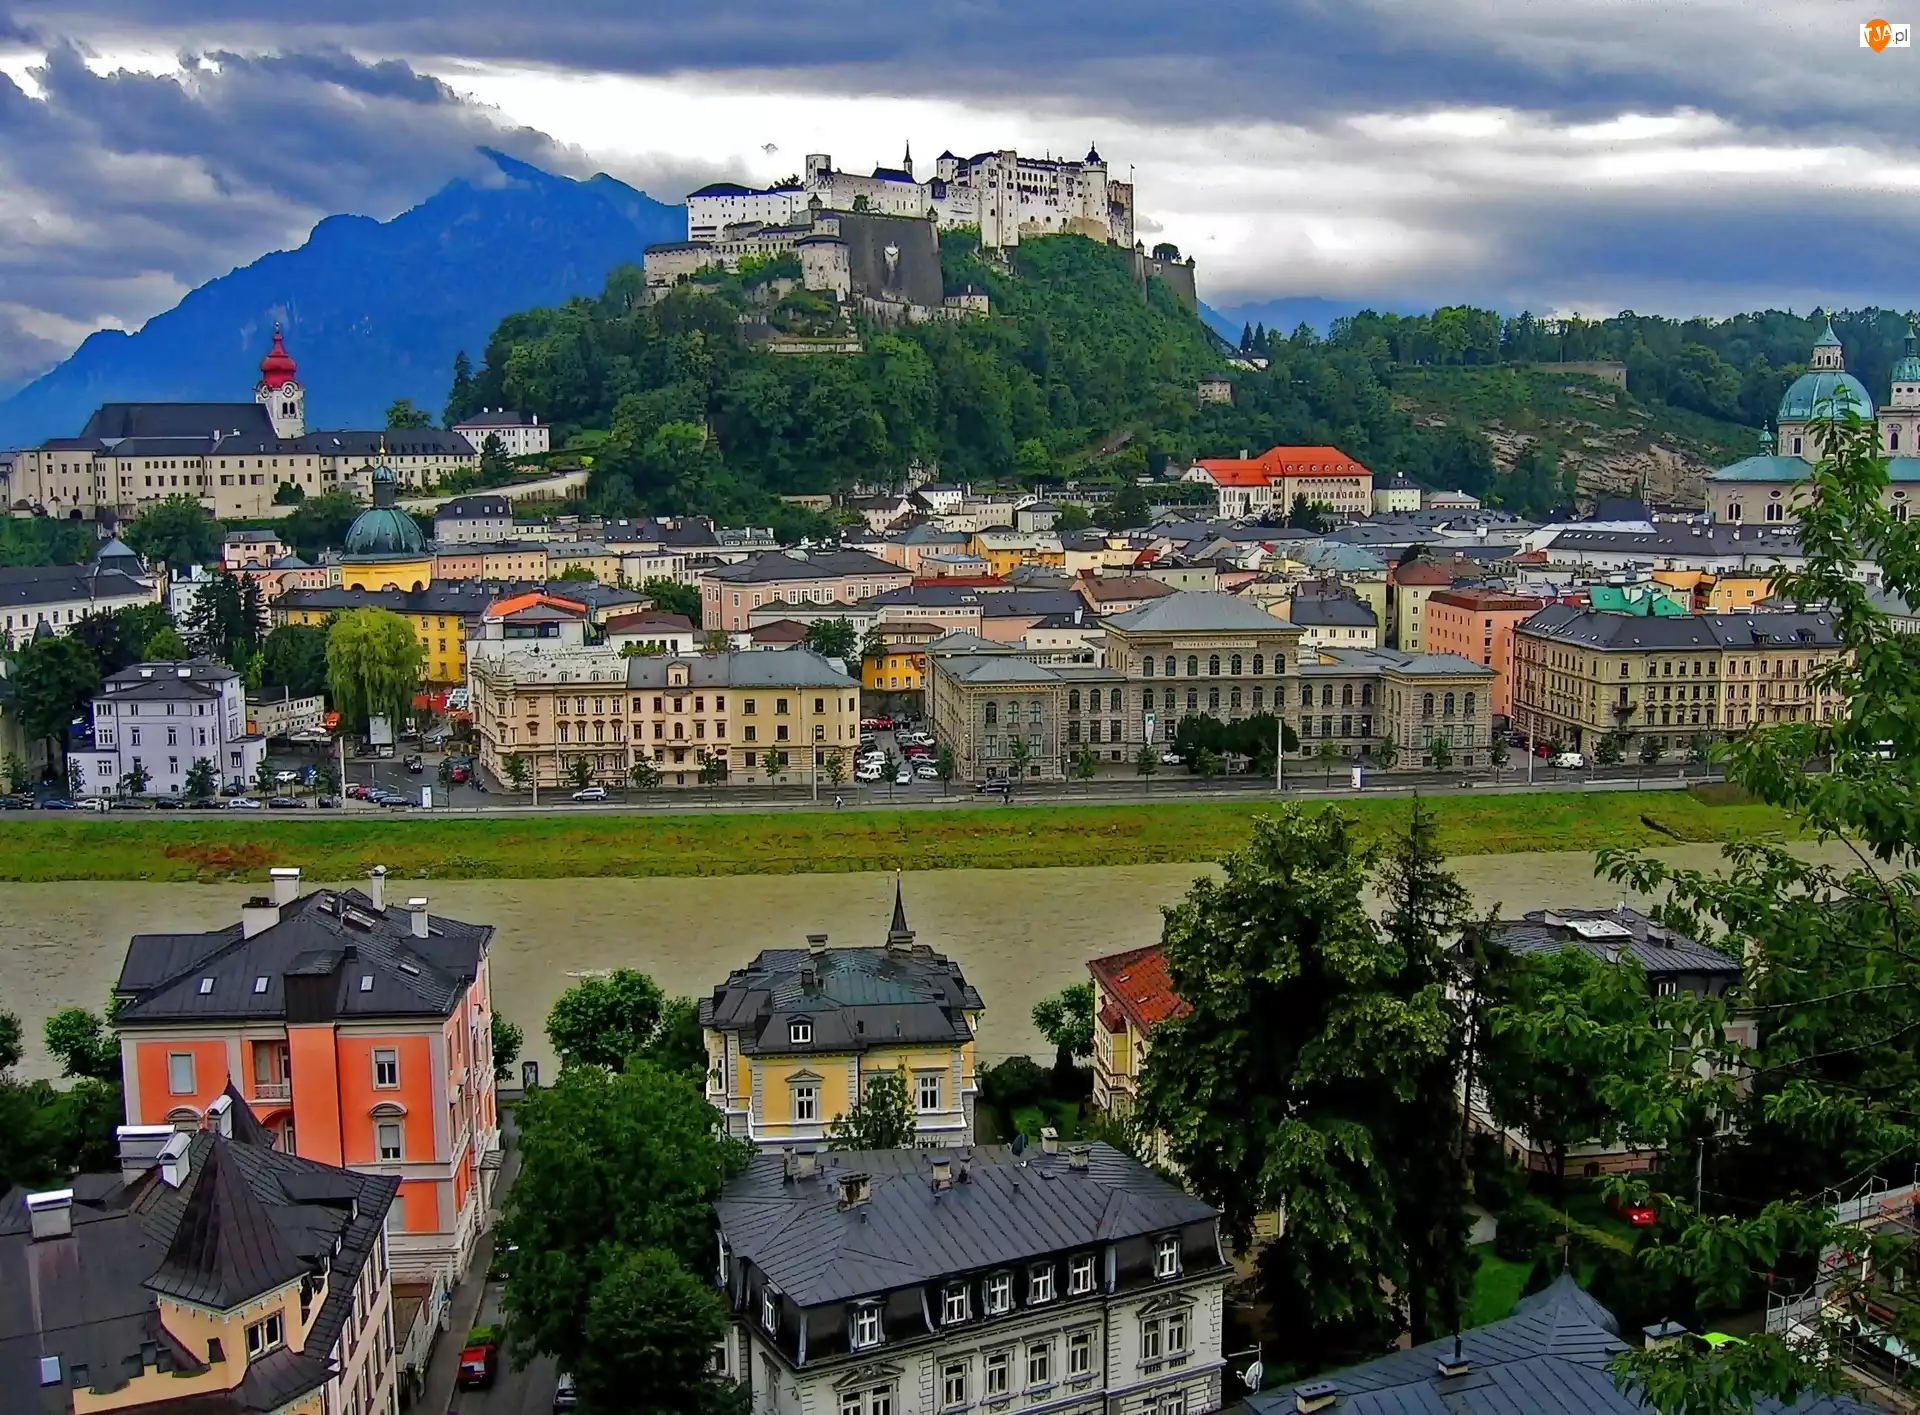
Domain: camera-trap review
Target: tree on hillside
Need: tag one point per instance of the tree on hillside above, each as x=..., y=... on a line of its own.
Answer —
x=373, y=667
x=228, y=619
x=166, y=646
x=83, y=1043
x=118, y=638
x=320, y=523
x=176, y=532
x=672, y=597
x=52, y=680
x=1129, y=508
x=402, y=414
x=611, y=1221
x=882, y=1119
x=460, y=391
x=832, y=638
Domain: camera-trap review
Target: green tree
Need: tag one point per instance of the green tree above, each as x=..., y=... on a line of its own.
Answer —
x=1207, y=764
x=1441, y=750
x=202, y=783
x=1073, y=517
x=166, y=646
x=1498, y=754
x=1129, y=508
x=176, y=532
x=835, y=767
x=263, y=782
x=605, y=1020
x=135, y=781
x=1652, y=751
x=619, y=1173
x=1019, y=757
x=294, y=659
x=576, y=573
x=14, y=768
x=1146, y=762
x=374, y=664
x=882, y=1119
x=445, y=775
x=713, y=771
x=1085, y=763
x=1329, y=753
x=1066, y=1021
x=83, y=1044
x=507, y=1041
x=945, y=766
x=1606, y=752
x=495, y=469
x=53, y=680
x=832, y=638
x=402, y=414
x=460, y=390
x=580, y=772
x=644, y=775
x=518, y=772
x=1031, y=462
x=320, y=523
x=1386, y=754
x=679, y=1043
x=672, y=597
x=228, y=619
x=289, y=493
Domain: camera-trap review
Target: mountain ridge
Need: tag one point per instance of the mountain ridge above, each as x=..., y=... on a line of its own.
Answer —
x=373, y=310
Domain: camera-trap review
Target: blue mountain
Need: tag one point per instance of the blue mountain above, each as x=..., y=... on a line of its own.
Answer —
x=1282, y=316
x=373, y=310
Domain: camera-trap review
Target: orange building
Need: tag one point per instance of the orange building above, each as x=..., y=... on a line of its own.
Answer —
x=1478, y=625
x=1321, y=476
x=358, y=1034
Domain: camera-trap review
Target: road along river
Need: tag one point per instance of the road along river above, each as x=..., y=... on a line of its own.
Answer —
x=1017, y=934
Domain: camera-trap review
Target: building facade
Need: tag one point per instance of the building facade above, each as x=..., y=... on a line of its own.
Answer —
x=795, y=1038
x=1132, y=995
x=1198, y=652
x=1357, y=698
x=1478, y=625
x=153, y=721
x=483, y=518
x=1273, y=481
x=730, y=593
x=518, y=434
x=1073, y=1280
x=60, y=596
x=357, y=1033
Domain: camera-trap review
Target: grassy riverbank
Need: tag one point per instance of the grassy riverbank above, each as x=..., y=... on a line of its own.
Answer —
x=147, y=847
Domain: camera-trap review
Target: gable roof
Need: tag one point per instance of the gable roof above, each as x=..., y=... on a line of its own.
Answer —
x=1611, y=935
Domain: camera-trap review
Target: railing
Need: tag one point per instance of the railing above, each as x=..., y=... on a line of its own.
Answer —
x=273, y=1090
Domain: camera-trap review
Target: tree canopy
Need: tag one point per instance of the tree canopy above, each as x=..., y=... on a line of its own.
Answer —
x=373, y=666
x=175, y=531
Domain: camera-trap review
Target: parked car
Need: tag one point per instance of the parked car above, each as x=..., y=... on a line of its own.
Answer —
x=904, y=776
x=285, y=778
x=1639, y=1215
x=927, y=771
x=995, y=783
x=395, y=799
x=171, y=803
x=1571, y=761
x=564, y=1395
x=243, y=803
x=1172, y=759
x=868, y=773
x=326, y=803
x=459, y=774
x=591, y=793
x=479, y=1363
x=359, y=792
x=16, y=803
x=285, y=803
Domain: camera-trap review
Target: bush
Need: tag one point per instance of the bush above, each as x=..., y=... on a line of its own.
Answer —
x=1498, y=1182
x=1523, y=1229
x=1014, y=1084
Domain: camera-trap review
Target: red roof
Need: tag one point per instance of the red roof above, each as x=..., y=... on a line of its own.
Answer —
x=648, y=619
x=501, y=608
x=1138, y=983
x=277, y=367
x=1422, y=572
x=1278, y=463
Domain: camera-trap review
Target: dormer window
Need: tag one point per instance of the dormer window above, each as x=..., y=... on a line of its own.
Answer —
x=1040, y=1285
x=1080, y=1276
x=800, y=1032
x=866, y=1325
x=1166, y=1257
x=954, y=1306
x=770, y=1310
x=999, y=1294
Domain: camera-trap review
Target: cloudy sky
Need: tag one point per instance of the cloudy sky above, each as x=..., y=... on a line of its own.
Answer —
x=1679, y=156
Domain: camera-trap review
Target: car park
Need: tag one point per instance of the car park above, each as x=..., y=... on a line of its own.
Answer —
x=927, y=771
x=591, y=793
x=904, y=776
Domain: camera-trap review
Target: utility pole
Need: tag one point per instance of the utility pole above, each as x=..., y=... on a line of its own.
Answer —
x=1280, y=753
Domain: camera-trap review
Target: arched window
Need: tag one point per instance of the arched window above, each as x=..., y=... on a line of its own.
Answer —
x=993, y=713
x=1146, y=700
x=1193, y=666
x=1170, y=702
x=1366, y=695
x=1279, y=664
x=1426, y=704
x=563, y=732
x=1235, y=665
x=1306, y=695
x=1256, y=666
x=1033, y=711
x=1446, y=706
x=1193, y=700
x=1213, y=665
x=1469, y=704
x=1146, y=666
x=1213, y=700
x=1326, y=695
x=1170, y=668
x=1073, y=700
x=1893, y=440
x=1233, y=698
x=1346, y=695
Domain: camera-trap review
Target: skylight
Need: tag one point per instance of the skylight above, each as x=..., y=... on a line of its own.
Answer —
x=366, y=982
x=206, y=986
x=260, y=984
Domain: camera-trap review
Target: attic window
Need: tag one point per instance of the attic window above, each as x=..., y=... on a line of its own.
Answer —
x=49, y=1370
x=800, y=1032
x=260, y=984
x=409, y=967
x=206, y=986
x=366, y=982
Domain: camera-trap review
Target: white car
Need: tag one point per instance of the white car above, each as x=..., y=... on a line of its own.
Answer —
x=868, y=773
x=1170, y=759
x=243, y=803
x=927, y=771
x=1572, y=761
x=286, y=778
x=591, y=793
x=904, y=776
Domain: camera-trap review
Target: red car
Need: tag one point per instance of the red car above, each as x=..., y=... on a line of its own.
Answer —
x=479, y=1363
x=1639, y=1215
x=457, y=774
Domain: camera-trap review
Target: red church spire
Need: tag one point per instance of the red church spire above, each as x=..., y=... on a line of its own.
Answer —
x=277, y=367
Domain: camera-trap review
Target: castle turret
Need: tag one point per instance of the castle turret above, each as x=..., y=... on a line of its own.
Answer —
x=279, y=391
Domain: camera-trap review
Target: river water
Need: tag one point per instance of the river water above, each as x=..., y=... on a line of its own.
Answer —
x=1017, y=934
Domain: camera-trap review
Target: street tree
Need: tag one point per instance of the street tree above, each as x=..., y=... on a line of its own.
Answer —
x=518, y=772
x=832, y=638
x=946, y=766
x=1086, y=764
x=1329, y=753
x=507, y=1041
x=1607, y=751
x=580, y=771
x=882, y=1119
x=644, y=775
x=1207, y=764
x=1441, y=749
x=1387, y=753
x=651, y=1328
x=263, y=781
x=1498, y=755
x=713, y=772
x=1652, y=751
x=203, y=782
x=52, y=680
x=14, y=769
x=1020, y=756
x=135, y=780
x=1146, y=762
x=374, y=664
x=835, y=767
x=602, y=1021
x=84, y=1044
x=175, y=531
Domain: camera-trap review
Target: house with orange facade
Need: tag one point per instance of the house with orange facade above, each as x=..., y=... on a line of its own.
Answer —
x=212, y=1274
x=1478, y=625
x=357, y=1033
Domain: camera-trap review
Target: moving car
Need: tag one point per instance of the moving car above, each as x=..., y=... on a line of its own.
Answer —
x=243, y=803
x=56, y=803
x=904, y=776
x=565, y=1397
x=414, y=765
x=285, y=803
x=1171, y=759
x=927, y=771
x=868, y=772
x=1572, y=761
x=458, y=774
x=479, y=1360
x=588, y=793
x=995, y=783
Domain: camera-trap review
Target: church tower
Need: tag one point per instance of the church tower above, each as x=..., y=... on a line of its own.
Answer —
x=280, y=393
x=1900, y=418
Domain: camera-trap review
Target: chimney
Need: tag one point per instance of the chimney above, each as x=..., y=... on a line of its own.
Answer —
x=50, y=1215
x=853, y=1190
x=1455, y=1363
x=220, y=1116
x=1049, y=1140
x=258, y=915
x=1079, y=1156
x=140, y=1147
x=286, y=885
x=808, y=976
x=418, y=908
x=816, y=945
x=966, y=1167
x=942, y=1173
x=802, y=1164
x=1321, y=1395
x=377, y=887
x=1661, y=1333
x=175, y=1161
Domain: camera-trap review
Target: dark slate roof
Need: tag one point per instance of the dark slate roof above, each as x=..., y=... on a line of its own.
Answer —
x=1682, y=538
x=1330, y=611
x=795, y=668
x=225, y=1250
x=853, y=997
x=1548, y=1358
x=199, y=421
x=1600, y=629
x=495, y=417
x=1611, y=934
x=776, y=565
x=1198, y=612
x=490, y=508
x=22, y=587
x=795, y=1232
x=200, y=671
x=331, y=941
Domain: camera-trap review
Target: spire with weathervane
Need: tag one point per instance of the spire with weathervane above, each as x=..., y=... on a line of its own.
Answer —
x=899, y=936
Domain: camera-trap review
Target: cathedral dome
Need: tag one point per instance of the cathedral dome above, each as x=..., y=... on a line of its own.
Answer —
x=277, y=368
x=1824, y=393
x=383, y=529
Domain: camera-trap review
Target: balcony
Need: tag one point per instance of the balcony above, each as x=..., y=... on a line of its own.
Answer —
x=272, y=1091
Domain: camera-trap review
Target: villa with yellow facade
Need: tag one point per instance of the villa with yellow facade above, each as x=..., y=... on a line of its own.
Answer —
x=794, y=1038
x=1132, y=994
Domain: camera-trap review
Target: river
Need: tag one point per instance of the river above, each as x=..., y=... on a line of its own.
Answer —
x=1018, y=934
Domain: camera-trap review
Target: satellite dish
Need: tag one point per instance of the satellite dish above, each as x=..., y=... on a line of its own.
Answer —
x=1020, y=1142
x=1253, y=1375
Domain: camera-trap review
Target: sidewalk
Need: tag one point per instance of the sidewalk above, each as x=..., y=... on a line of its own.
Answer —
x=468, y=1295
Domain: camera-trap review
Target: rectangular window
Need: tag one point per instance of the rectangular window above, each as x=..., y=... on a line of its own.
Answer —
x=1149, y=1341
x=386, y=1068
x=1040, y=1285
x=999, y=1294
x=866, y=1326
x=928, y=1089
x=265, y=1336
x=954, y=1306
x=1080, y=1354
x=999, y=1370
x=1080, y=1276
x=953, y=1385
x=180, y=1073
x=1177, y=1334
x=770, y=1309
x=1040, y=1364
x=388, y=1135
x=806, y=1102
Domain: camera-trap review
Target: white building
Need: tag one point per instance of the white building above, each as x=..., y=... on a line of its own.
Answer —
x=60, y=596
x=1075, y=1280
x=519, y=434
x=160, y=718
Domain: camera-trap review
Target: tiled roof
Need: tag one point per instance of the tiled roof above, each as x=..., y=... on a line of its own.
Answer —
x=1633, y=632
x=1425, y=572
x=1612, y=934
x=1280, y=462
x=794, y=668
x=773, y=566
x=1198, y=612
x=23, y=587
x=1138, y=982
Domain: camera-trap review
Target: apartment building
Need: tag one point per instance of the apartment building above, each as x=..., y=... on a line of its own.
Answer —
x=1011, y=713
x=1579, y=675
x=794, y=1038
x=479, y=519
x=730, y=593
x=60, y=596
x=1329, y=616
x=1478, y=624
x=518, y=434
x=1273, y=481
x=1410, y=587
x=358, y=1033
x=155, y=720
x=212, y=1272
x=768, y=719
x=1074, y=1279
x=1132, y=995
x=250, y=550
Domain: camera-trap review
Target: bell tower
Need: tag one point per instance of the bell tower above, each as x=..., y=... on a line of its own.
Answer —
x=280, y=393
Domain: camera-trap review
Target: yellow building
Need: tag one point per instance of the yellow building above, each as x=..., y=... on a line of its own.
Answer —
x=385, y=548
x=1006, y=551
x=903, y=667
x=596, y=560
x=794, y=1038
x=443, y=617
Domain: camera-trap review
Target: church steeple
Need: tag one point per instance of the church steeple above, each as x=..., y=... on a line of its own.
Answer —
x=899, y=935
x=906, y=162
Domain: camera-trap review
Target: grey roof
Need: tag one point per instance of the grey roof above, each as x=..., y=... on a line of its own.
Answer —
x=1601, y=629
x=1331, y=611
x=250, y=537
x=184, y=670
x=111, y=421
x=773, y=566
x=979, y=670
x=796, y=668
x=1197, y=612
x=1610, y=935
x=1681, y=538
x=331, y=955
x=797, y=1235
x=225, y=1250
x=469, y=597
x=1548, y=1358
x=23, y=587
x=1414, y=665
x=496, y=417
x=461, y=508
x=935, y=595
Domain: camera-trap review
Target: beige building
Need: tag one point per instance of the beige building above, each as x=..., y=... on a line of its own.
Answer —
x=768, y=719
x=1006, y=715
x=1356, y=698
x=730, y=593
x=1132, y=995
x=1199, y=653
x=1580, y=675
x=1411, y=585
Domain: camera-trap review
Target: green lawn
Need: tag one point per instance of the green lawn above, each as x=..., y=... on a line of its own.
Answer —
x=1496, y=1286
x=150, y=847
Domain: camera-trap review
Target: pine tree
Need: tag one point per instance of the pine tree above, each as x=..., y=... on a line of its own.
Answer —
x=1246, y=337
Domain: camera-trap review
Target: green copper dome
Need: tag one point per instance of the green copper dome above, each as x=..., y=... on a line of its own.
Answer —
x=1828, y=340
x=383, y=530
x=1906, y=368
x=1824, y=393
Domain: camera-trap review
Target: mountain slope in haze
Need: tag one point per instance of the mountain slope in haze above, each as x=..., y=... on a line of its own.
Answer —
x=373, y=310
x=1283, y=316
